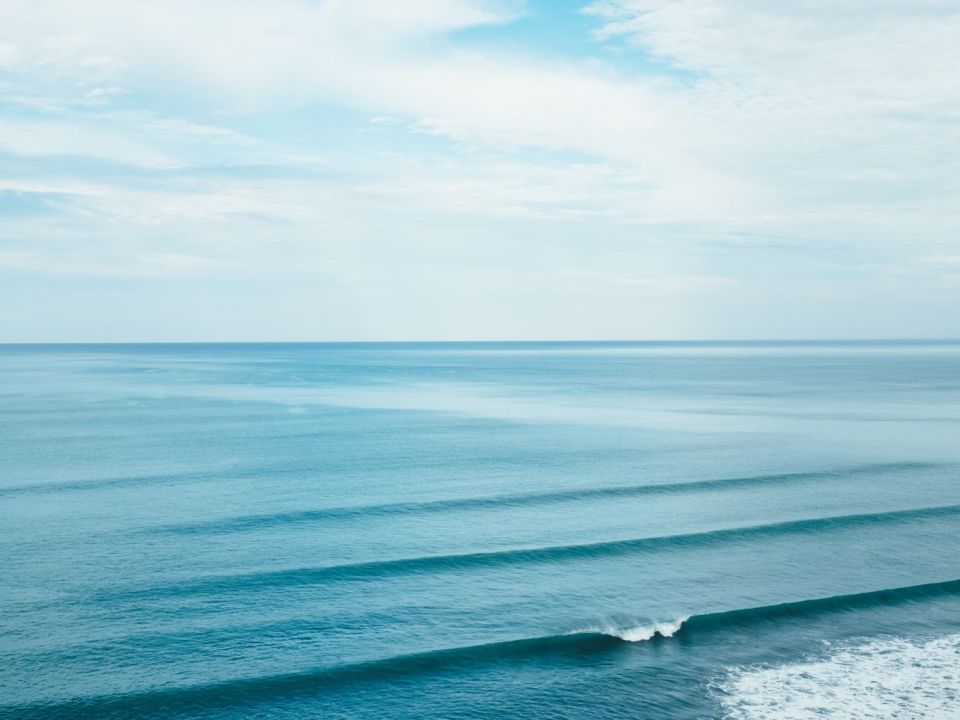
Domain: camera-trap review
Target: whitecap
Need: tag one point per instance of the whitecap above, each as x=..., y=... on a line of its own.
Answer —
x=880, y=680
x=639, y=633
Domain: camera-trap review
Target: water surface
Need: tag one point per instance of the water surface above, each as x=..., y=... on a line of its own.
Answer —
x=518, y=530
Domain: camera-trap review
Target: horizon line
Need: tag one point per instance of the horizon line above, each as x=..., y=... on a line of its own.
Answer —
x=651, y=341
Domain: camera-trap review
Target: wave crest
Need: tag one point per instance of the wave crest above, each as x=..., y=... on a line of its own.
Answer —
x=637, y=633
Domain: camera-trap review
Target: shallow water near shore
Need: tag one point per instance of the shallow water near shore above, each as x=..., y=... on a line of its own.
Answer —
x=480, y=530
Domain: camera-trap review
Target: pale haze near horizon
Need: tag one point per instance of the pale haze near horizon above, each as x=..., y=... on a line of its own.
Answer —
x=461, y=169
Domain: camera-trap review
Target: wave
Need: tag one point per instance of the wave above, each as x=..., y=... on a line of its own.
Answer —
x=573, y=647
x=251, y=690
x=836, y=603
x=431, y=506
x=638, y=633
x=797, y=610
x=210, y=474
x=252, y=522
x=430, y=564
x=43, y=488
x=138, y=481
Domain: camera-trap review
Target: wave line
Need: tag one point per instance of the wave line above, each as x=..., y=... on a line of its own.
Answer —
x=570, y=647
x=428, y=564
x=252, y=522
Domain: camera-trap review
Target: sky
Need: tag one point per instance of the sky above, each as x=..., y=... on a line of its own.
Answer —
x=327, y=170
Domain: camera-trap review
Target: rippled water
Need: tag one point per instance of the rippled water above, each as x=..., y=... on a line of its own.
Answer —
x=557, y=530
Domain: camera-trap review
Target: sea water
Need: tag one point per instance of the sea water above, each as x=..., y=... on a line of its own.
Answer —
x=529, y=530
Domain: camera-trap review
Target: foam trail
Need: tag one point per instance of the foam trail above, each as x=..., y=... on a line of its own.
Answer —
x=891, y=678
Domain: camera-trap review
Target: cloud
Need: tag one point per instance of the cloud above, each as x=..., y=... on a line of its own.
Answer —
x=58, y=137
x=803, y=80
x=236, y=51
x=689, y=148
x=368, y=54
x=790, y=109
x=944, y=261
x=156, y=265
x=14, y=203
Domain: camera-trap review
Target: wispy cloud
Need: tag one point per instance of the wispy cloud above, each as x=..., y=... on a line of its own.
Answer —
x=682, y=149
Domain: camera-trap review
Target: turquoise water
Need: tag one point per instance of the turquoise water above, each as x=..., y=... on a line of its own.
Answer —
x=540, y=530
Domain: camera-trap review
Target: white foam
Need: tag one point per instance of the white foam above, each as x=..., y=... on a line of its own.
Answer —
x=894, y=679
x=639, y=633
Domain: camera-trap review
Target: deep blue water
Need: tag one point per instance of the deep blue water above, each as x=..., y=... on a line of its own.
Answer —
x=480, y=531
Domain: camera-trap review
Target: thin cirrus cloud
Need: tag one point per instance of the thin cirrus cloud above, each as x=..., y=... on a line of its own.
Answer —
x=433, y=169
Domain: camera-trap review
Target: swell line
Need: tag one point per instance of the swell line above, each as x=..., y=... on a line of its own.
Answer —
x=252, y=522
x=836, y=603
x=572, y=648
x=252, y=690
x=430, y=564
x=691, y=626
x=44, y=488
x=138, y=481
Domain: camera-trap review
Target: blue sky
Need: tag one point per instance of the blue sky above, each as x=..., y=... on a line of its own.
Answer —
x=473, y=169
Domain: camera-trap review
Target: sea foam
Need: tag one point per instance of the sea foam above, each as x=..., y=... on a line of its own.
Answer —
x=879, y=680
x=638, y=633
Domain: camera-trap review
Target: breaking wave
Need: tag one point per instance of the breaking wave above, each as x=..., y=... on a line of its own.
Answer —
x=571, y=647
x=638, y=633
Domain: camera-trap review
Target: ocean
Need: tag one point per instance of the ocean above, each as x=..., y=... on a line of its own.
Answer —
x=480, y=530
